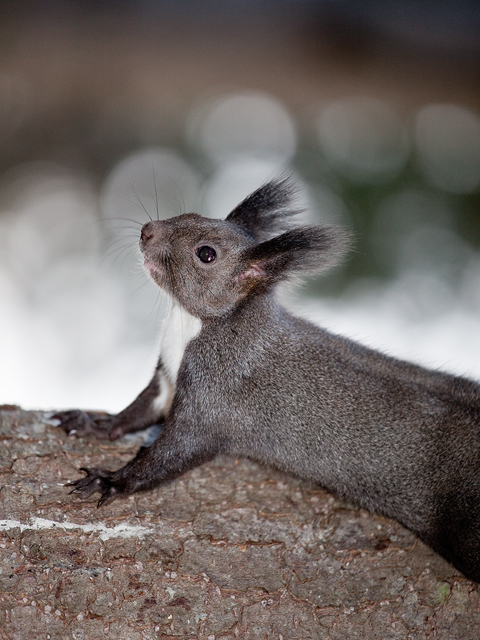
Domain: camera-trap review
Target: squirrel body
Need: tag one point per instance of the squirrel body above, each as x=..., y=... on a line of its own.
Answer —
x=239, y=374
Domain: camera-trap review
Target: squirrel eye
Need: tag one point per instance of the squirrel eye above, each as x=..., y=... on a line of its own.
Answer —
x=206, y=254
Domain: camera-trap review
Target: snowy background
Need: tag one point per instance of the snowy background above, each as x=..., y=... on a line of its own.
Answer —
x=384, y=140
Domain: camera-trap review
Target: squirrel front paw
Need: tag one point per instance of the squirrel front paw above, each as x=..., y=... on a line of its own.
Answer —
x=83, y=423
x=99, y=480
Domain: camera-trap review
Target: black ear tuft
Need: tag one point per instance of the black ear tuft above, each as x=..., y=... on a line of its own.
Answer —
x=298, y=252
x=267, y=210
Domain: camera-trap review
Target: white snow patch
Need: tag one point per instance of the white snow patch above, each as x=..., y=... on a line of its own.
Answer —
x=41, y=524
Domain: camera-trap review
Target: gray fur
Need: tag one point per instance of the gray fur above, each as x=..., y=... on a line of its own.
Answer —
x=257, y=382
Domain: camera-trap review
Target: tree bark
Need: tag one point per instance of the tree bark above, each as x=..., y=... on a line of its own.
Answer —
x=229, y=550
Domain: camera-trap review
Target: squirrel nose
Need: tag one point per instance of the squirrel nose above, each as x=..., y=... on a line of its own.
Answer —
x=146, y=233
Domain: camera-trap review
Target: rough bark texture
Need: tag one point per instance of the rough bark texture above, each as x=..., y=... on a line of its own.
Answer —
x=230, y=550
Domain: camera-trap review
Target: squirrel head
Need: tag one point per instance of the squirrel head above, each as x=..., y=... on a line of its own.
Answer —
x=211, y=266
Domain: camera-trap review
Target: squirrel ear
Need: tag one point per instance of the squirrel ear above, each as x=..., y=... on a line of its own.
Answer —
x=297, y=252
x=265, y=211
x=253, y=271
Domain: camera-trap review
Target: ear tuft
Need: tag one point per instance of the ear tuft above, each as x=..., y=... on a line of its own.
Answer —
x=301, y=251
x=267, y=210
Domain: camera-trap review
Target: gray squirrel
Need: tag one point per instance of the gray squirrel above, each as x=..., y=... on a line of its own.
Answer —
x=239, y=375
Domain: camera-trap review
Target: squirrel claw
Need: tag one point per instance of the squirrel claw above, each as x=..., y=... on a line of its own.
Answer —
x=108, y=496
x=82, y=423
x=96, y=480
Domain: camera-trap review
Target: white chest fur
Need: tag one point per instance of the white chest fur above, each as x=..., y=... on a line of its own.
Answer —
x=180, y=327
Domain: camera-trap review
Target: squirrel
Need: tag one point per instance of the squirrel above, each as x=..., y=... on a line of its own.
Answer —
x=239, y=375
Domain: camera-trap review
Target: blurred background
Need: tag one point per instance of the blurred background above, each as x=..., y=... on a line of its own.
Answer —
x=111, y=111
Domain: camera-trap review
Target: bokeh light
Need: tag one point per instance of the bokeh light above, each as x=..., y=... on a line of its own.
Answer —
x=399, y=216
x=156, y=183
x=448, y=146
x=64, y=318
x=156, y=120
x=249, y=124
x=363, y=138
x=49, y=215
